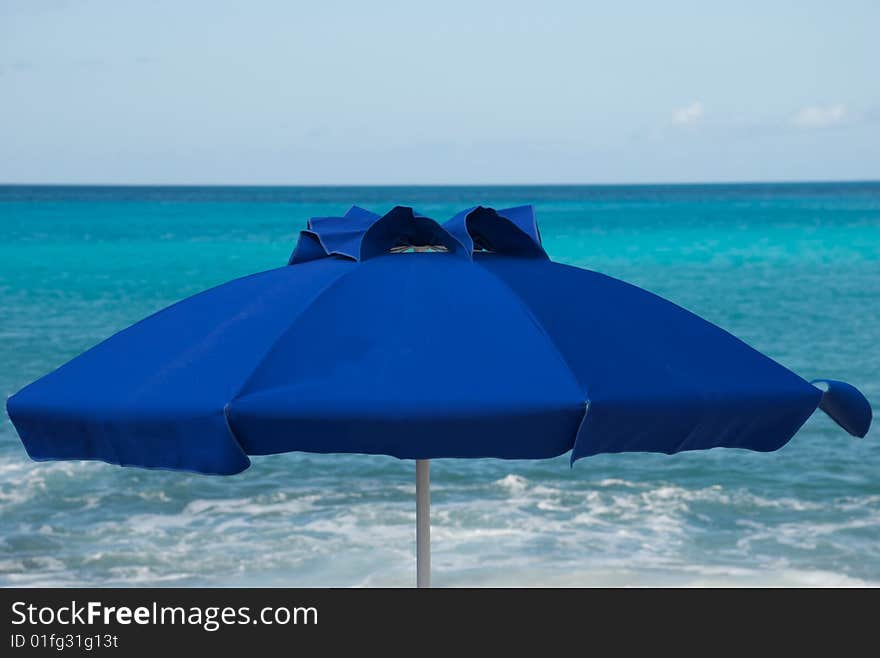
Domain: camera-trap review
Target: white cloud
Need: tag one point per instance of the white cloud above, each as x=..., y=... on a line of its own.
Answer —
x=819, y=117
x=688, y=114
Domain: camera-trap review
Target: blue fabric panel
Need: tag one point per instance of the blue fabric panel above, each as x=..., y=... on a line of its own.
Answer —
x=458, y=227
x=524, y=218
x=154, y=394
x=308, y=247
x=415, y=355
x=658, y=378
x=339, y=236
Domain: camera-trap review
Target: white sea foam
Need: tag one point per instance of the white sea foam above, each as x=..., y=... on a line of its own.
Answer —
x=513, y=483
x=510, y=530
x=617, y=482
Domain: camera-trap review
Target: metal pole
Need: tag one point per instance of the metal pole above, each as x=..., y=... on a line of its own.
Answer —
x=423, y=523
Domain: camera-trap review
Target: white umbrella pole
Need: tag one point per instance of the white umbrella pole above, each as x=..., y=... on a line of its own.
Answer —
x=423, y=523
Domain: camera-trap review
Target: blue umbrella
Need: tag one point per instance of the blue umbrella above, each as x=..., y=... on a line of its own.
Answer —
x=396, y=335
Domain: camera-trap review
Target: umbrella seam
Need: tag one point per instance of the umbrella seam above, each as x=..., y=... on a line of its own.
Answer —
x=247, y=380
x=152, y=315
x=553, y=346
x=234, y=436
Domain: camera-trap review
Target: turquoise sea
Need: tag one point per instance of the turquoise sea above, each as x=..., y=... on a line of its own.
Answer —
x=792, y=269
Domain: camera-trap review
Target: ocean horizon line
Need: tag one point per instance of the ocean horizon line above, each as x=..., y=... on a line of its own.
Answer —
x=732, y=183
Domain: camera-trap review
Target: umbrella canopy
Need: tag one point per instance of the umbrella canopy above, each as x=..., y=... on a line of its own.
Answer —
x=396, y=335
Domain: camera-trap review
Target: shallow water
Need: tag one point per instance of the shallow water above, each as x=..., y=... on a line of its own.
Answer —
x=794, y=270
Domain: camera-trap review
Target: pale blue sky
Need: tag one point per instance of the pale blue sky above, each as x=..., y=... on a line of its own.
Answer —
x=446, y=92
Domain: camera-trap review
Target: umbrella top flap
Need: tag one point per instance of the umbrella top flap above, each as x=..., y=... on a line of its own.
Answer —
x=361, y=234
x=511, y=231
